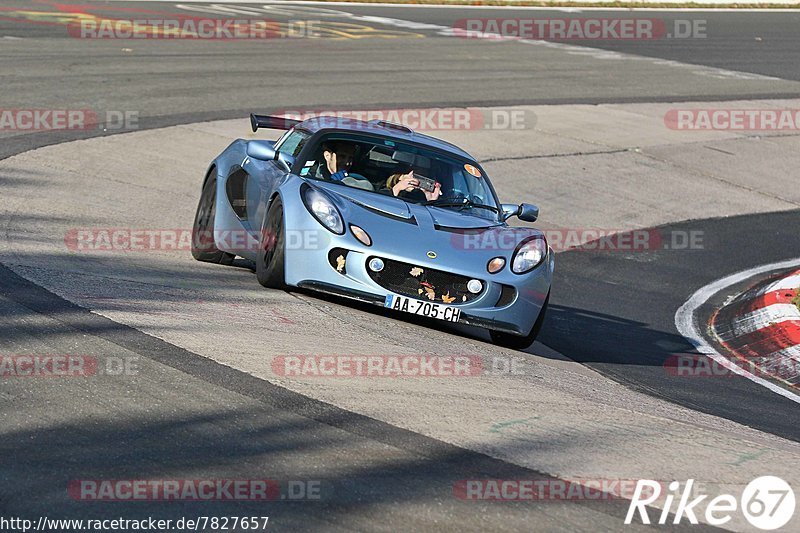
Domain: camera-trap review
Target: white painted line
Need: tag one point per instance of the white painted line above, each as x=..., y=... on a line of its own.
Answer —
x=701, y=70
x=447, y=31
x=792, y=6
x=572, y=49
x=685, y=323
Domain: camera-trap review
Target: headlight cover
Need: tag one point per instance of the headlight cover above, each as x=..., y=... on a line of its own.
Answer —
x=319, y=205
x=529, y=254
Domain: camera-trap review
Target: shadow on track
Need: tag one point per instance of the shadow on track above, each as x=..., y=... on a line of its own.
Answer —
x=183, y=416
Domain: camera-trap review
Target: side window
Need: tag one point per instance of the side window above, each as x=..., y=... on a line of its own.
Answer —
x=293, y=142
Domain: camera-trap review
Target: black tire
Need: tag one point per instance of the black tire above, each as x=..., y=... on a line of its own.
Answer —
x=520, y=342
x=203, y=246
x=270, y=261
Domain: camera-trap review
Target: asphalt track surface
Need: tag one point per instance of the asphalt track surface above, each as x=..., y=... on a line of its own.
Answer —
x=610, y=312
x=635, y=302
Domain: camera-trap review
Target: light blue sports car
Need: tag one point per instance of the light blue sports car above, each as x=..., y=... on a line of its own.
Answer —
x=376, y=212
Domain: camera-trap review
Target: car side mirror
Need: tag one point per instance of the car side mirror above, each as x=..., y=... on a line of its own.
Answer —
x=261, y=150
x=525, y=212
x=265, y=151
x=528, y=212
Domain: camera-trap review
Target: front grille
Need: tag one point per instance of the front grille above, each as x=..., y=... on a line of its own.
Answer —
x=427, y=284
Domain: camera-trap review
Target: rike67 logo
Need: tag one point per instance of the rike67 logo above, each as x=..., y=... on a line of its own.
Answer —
x=767, y=503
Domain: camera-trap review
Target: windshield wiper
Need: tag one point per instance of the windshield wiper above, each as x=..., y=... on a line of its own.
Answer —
x=445, y=202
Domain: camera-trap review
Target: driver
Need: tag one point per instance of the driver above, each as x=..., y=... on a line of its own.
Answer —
x=337, y=158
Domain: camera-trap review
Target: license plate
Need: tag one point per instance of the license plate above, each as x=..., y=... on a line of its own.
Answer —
x=422, y=308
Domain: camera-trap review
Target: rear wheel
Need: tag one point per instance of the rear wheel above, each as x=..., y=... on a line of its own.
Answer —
x=203, y=246
x=520, y=342
x=270, y=259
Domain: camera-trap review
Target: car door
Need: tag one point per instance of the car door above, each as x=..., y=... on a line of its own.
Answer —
x=266, y=176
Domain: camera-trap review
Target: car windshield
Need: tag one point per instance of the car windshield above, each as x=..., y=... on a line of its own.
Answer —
x=411, y=173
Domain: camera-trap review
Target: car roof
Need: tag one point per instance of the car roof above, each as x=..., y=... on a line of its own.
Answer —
x=388, y=130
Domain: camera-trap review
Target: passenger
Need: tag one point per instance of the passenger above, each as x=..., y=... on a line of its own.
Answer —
x=404, y=185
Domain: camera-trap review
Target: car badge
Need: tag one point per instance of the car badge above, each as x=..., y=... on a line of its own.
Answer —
x=431, y=254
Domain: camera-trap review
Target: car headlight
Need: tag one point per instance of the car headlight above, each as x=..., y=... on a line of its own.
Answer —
x=319, y=205
x=528, y=255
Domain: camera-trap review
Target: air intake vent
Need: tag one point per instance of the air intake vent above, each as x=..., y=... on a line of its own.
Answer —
x=506, y=296
x=337, y=257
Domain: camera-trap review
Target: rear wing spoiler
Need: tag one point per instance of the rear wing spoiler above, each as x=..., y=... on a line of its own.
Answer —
x=273, y=123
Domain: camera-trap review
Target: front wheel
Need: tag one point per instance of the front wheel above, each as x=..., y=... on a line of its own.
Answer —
x=520, y=342
x=270, y=259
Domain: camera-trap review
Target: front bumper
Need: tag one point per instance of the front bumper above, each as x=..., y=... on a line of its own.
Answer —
x=465, y=318
x=311, y=268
